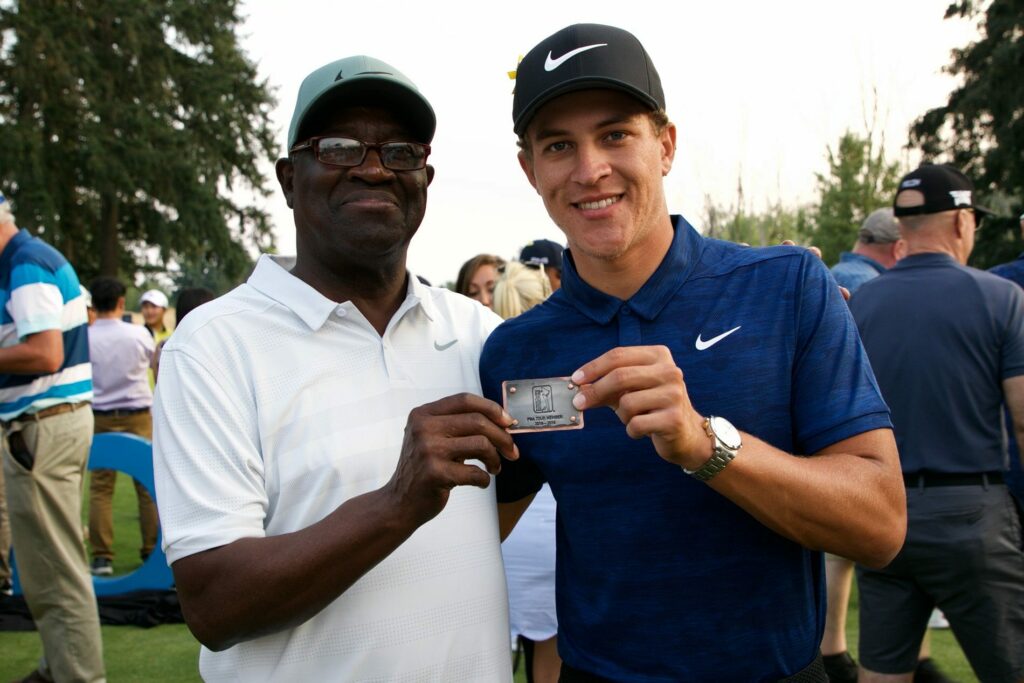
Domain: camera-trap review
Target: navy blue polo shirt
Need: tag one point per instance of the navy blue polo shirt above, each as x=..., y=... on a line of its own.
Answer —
x=1014, y=270
x=942, y=337
x=660, y=578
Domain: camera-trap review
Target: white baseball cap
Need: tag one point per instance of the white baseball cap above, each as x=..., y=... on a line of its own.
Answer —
x=155, y=297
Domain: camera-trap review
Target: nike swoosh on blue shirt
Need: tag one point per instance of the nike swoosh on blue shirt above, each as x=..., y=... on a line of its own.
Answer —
x=702, y=345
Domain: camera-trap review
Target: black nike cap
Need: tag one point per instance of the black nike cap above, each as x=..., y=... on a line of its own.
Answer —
x=583, y=57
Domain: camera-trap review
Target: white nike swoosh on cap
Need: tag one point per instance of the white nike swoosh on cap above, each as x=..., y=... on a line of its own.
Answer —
x=552, y=64
x=702, y=345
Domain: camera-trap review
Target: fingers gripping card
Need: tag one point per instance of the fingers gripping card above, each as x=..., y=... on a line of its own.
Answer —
x=541, y=404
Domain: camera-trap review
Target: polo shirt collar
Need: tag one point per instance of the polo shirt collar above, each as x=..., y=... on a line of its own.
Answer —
x=683, y=254
x=926, y=259
x=848, y=256
x=273, y=279
x=418, y=293
x=15, y=243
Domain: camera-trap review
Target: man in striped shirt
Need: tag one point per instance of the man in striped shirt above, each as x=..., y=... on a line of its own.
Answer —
x=45, y=394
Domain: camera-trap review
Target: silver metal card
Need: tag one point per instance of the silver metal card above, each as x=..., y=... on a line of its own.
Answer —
x=541, y=404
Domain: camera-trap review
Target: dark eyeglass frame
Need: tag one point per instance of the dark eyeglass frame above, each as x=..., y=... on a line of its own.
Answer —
x=978, y=216
x=313, y=144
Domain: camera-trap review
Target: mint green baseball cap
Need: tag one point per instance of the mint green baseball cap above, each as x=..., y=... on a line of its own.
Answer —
x=363, y=80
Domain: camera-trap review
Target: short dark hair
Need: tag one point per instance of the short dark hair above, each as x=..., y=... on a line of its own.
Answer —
x=190, y=299
x=105, y=293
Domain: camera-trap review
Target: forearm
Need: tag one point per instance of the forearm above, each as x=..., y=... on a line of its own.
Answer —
x=256, y=586
x=1019, y=433
x=845, y=502
x=39, y=354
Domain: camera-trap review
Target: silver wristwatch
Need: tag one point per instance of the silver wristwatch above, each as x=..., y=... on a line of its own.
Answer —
x=726, y=443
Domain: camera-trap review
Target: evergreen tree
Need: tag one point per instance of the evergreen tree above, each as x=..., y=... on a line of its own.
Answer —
x=859, y=180
x=980, y=129
x=131, y=130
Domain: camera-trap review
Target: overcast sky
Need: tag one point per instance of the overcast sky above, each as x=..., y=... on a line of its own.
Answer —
x=757, y=90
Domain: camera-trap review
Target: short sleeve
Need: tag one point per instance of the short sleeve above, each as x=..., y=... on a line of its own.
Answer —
x=519, y=478
x=36, y=300
x=835, y=395
x=206, y=457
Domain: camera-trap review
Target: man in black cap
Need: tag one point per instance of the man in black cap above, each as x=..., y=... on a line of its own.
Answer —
x=309, y=540
x=947, y=344
x=548, y=255
x=688, y=548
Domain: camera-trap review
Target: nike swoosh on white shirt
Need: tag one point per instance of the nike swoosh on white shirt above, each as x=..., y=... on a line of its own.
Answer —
x=442, y=347
x=702, y=345
x=552, y=64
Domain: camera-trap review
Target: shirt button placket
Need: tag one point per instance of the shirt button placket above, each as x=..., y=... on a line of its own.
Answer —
x=629, y=328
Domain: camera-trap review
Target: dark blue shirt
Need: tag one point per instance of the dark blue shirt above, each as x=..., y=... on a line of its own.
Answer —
x=1014, y=270
x=660, y=578
x=942, y=337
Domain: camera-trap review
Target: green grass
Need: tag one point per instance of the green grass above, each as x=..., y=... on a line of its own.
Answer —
x=944, y=649
x=164, y=653
x=170, y=653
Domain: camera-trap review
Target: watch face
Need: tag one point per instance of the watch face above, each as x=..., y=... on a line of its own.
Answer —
x=726, y=432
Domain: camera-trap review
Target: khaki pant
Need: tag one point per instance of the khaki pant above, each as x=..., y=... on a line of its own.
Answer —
x=45, y=506
x=5, y=533
x=101, y=491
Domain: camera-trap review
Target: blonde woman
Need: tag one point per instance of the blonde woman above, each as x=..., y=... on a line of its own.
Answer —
x=519, y=288
x=529, y=551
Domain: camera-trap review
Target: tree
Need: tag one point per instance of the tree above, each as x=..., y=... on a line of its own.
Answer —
x=859, y=180
x=131, y=128
x=980, y=129
x=740, y=224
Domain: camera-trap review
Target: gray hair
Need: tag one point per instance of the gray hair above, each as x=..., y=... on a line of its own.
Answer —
x=880, y=227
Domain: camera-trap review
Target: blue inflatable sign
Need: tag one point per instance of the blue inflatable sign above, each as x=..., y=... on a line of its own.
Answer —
x=132, y=455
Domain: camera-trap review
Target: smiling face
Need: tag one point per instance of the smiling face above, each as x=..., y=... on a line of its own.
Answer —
x=597, y=161
x=153, y=315
x=362, y=216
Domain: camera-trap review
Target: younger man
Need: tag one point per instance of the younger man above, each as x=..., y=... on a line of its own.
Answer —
x=687, y=549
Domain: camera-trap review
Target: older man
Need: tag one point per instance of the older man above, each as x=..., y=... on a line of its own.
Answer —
x=688, y=548
x=309, y=539
x=878, y=248
x=947, y=344
x=45, y=390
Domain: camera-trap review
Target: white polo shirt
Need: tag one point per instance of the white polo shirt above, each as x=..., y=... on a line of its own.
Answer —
x=274, y=406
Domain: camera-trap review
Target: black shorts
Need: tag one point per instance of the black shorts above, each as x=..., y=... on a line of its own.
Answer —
x=965, y=554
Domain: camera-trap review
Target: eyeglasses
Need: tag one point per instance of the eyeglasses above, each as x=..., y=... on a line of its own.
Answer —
x=349, y=152
x=978, y=217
